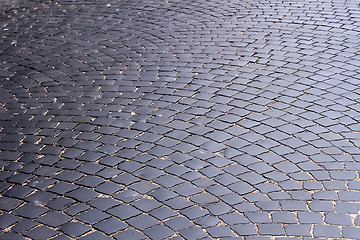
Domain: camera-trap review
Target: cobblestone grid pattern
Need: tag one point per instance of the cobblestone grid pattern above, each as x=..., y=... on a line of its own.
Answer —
x=180, y=119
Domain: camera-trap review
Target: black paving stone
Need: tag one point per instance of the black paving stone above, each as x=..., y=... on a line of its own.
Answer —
x=159, y=163
x=142, y=222
x=163, y=213
x=82, y=194
x=193, y=233
x=338, y=219
x=11, y=235
x=92, y=216
x=255, y=197
x=271, y=229
x=220, y=232
x=293, y=205
x=244, y=229
x=74, y=229
x=125, y=179
x=347, y=195
x=159, y=232
x=28, y=167
x=241, y=188
x=68, y=164
x=7, y=220
x=204, y=198
x=194, y=212
x=207, y=221
x=104, y=203
x=40, y=197
x=130, y=234
x=30, y=211
x=19, y=178
x=62, y=187
x=95, y=235
x=235, y=169
x=258, y=217
x=284, y=217
x=108, y=188
x=90, y=156
x=226, y=179
x=108, y=149
x=24, y=225
x=8, y=204
x=123, y=211
x=54, y=219
x=178, y=223
x=302, y=230
x=111, y=161
x=168, y=180
x=334, y=185
x=268, y=205
x=41, y=232
x=41, y=182
x=90, y=181
x=347, y=207
x=143, y=187
x=76, y=208
x=276, y=176
x=178, y=203
x=186, y=189
x=127, y=195
x=111, y=225
x=149, y=173
x=60, y=203
x=18, y=191
x=325, y=195
x=351, y=232
x=300, y=195
x=252, y=178
x=258, y=238
x=353, y=185
x=321, y=206
x=326, y=231
x=130, y=166
x=47, y=171
x=146, y=205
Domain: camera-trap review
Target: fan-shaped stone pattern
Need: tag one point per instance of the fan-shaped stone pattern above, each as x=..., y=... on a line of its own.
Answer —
x=179, y=119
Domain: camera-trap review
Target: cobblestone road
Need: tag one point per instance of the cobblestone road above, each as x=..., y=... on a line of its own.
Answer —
x=191, y=119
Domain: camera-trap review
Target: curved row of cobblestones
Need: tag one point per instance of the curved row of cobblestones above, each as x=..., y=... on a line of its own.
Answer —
x=179, y=119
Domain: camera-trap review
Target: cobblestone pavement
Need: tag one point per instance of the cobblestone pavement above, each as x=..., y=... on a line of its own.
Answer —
x=191, y=119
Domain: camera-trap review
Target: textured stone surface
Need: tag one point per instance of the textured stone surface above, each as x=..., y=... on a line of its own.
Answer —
x=179, y=119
